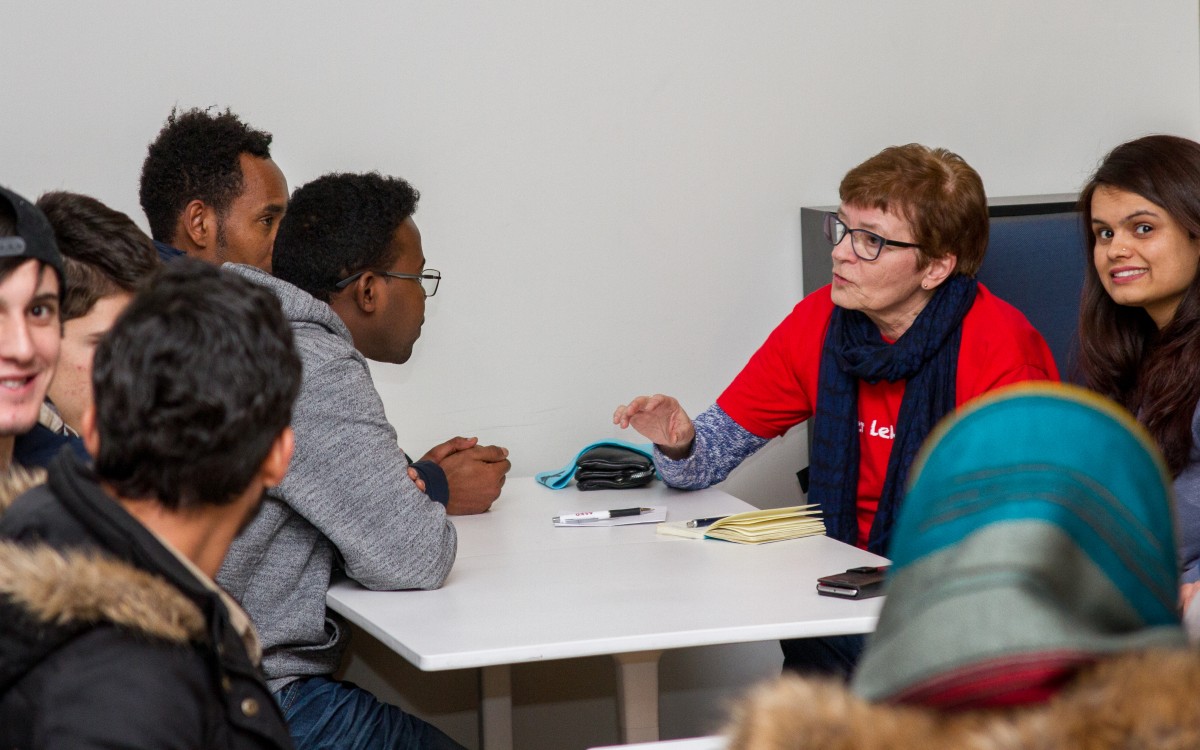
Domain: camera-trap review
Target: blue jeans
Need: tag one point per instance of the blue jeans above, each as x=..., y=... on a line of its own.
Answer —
x=324, y=713
x=834, y=655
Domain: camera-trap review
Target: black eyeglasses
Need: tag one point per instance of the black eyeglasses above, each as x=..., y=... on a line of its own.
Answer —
x=866, y=245
x=428, y=279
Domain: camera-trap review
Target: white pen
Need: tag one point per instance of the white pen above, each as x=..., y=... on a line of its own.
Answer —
x=600, y=515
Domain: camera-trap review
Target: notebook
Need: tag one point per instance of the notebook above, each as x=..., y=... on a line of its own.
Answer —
x=754, y=527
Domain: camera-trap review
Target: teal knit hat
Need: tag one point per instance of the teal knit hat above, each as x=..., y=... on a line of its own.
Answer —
x=1036, y=538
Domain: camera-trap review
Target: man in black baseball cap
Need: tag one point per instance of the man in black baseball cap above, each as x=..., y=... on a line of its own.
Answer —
x=31, y=283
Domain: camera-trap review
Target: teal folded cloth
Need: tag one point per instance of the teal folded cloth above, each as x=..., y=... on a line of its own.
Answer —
x=1036, y=538
x=557, y=480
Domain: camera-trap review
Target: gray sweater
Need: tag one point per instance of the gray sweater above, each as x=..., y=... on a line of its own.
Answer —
x=346, y=503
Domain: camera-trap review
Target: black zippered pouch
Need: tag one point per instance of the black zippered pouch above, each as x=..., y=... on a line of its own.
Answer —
x=610, y=467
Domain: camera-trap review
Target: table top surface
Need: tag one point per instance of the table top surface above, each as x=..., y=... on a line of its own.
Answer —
x=524, y=590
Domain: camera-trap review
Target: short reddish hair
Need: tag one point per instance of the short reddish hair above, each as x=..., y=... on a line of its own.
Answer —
x=936, y=191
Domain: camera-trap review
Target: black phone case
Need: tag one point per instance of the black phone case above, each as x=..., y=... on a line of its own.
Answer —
x=856, y=583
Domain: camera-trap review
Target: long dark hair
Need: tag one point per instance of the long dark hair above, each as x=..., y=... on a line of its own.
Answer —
x=1153, y=373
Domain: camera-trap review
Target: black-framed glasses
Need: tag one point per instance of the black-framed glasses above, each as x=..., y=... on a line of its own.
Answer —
x=866, y=245
x=429, y=279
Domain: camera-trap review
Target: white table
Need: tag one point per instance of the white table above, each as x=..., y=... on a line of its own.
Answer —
x=523, y=590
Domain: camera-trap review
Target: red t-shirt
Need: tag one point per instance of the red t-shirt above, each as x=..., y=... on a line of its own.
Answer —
x=778, y=386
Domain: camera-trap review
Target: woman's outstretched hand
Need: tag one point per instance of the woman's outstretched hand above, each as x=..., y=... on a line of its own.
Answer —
x=662, y=420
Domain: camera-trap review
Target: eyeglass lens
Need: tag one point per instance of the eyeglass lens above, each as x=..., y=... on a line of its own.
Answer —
x=429, y=281
x=835, y=230
x=866, y=245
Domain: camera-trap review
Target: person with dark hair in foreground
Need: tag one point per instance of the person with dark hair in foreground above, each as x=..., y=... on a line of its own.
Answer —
x=106, y=258
x=112, y=632
x=350, y=271
x=211, y=191
x=1031, y=601
x=31, y=283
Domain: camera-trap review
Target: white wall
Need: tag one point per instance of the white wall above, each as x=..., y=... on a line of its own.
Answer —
x=611, y=189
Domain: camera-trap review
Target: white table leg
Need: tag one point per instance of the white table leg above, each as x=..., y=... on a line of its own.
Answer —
x=495, y=708
x=637, y=695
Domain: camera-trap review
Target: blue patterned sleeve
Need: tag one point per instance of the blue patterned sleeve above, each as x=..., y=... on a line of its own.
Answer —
x=720, y=445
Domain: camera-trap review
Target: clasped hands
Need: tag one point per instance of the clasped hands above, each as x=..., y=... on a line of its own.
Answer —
x=474, y=472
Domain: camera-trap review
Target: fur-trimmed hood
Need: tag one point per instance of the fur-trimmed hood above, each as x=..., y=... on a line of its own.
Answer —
x=16, y=481
x=47, y=596
x=68, y=588
x=100, y=619
x=1133, y=701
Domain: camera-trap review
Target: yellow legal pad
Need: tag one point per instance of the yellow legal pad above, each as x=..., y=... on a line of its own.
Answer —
x=754, y=527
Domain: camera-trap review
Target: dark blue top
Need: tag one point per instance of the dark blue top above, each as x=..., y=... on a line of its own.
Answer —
x=39, y=445
x=436, y=484
x=166, y=253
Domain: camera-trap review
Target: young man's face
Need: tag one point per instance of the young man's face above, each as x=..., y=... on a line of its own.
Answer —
x=403, y=300
x=246, y=230
x=71, y=389
x=30, y=336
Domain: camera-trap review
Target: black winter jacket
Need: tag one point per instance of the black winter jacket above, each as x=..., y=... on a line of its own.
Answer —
x=107, y=640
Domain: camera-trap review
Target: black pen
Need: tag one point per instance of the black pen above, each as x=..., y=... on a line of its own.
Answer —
x=600, y=515
x=699, y=522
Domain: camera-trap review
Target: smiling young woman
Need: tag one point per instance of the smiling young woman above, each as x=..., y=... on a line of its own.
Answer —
x=1140, y=318
x=1144, y=258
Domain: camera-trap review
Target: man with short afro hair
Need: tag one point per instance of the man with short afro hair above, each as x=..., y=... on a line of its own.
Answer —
x=211, y=191
x=112, y=631
x=350, y=271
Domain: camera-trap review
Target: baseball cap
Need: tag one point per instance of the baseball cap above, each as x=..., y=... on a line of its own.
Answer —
x=34, y=237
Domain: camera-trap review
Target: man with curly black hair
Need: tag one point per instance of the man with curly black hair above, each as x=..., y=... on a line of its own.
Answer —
x=112, y=631
x=350, y=271
x=211, y=191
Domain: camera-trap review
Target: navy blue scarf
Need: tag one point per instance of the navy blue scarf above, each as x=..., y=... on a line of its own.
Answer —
x=927, y=357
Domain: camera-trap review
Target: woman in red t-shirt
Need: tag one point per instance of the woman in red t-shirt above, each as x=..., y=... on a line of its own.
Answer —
x=902, y=336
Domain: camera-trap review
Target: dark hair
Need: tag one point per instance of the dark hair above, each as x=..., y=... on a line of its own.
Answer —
x=104, y=252
x=939, y=194
x=1122, y=353
x=193, y=384
x=196, y=156
x=337, y=225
